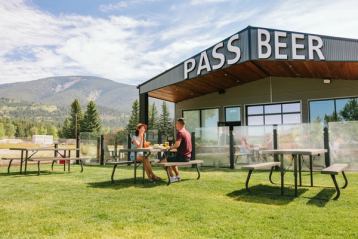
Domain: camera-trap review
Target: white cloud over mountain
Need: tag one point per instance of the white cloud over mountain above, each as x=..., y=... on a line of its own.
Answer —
x=133, y=48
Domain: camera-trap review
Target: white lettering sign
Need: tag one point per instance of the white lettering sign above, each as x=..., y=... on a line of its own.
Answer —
x=234, y=49
x=263, y=44
x=296, y=46
x=315, y=44
x=279, y=45
x=219, y=56
x=189, y=66
x=204, y=63
x=284, y=46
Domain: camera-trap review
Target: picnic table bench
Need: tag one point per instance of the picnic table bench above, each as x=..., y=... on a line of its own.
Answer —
x=297, y=156
x=136, y=163
x=334, y=170
x=195, y=163
x=257, y=166
x=28, y=153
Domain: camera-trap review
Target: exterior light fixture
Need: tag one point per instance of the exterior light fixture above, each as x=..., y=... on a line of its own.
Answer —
x=326, y=81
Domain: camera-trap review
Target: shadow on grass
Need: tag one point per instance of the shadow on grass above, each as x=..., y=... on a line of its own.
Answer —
x=322, y=198
x=266, y=194
x=32, y=173
x=129, y=182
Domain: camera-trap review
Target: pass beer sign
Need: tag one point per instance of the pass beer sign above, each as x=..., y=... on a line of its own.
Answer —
x=275, y=45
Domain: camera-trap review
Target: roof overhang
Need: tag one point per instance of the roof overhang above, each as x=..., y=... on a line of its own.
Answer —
x=255, y=53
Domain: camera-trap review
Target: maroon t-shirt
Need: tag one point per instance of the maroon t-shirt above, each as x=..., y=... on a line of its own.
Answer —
x=185, y=146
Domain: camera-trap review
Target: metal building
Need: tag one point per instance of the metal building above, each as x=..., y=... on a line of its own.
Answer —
x=260, y=76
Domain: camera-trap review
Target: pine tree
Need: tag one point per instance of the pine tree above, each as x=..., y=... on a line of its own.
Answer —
x=91, y=120
x=153, y=117
x=350, y=110
x=69, y=125
x=165, y=123
x=66, y=131
x=134, y=119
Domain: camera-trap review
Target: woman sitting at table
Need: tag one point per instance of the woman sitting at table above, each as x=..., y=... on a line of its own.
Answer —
x=138, y=141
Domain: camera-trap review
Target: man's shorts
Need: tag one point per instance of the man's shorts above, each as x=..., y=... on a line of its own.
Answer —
x=177, y=158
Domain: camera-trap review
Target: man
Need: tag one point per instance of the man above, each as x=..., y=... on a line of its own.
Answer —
x=183, y=147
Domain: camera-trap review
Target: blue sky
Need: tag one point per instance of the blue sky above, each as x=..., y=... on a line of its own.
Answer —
x=131, y=41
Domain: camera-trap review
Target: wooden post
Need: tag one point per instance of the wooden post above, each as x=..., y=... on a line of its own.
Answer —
x=56, y=151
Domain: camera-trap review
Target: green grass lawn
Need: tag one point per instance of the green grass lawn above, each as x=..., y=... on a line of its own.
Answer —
x=87, y=205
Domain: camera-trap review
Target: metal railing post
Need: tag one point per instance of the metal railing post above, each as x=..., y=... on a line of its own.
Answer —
x=77, y=148
x=98, y=148
x=101, y=162
x=129, y=144
x=115, y=147
x=327, y=158
x=232, y=150
x=193, y=155
x=275, y=142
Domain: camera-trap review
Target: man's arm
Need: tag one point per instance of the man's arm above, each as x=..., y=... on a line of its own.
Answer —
x=176, y=145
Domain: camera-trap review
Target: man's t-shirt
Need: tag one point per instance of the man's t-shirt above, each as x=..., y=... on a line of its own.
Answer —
x=185, y=146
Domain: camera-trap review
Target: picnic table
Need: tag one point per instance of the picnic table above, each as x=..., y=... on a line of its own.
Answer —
x=297, y=155
x=27, y=153
x=149, y=150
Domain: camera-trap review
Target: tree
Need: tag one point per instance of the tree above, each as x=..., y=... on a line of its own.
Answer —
x=66, y=131
x=2, y=130
x=52, y=130
x=332, y=118
x=10, y=129
x=153, y=117
x=91, y=120
x=134, y=118
x=33, y=130
x=165, y=123
x=350, y=110
x=69, y=125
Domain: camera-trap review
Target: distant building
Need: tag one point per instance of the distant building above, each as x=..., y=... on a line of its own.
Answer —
x=42, y=139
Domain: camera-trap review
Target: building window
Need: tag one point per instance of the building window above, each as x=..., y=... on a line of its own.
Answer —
x=232, y=114
x=192, y=119
x=333, y=109
x=209, y=117
x=271, y=114
x=201, y=118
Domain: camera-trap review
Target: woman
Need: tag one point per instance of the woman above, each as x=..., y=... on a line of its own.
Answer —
x=138, y=141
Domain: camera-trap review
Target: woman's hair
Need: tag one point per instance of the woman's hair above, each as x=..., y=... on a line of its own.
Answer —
x=138, y=128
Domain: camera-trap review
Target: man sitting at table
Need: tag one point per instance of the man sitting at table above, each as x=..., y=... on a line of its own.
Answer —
x=183, y=147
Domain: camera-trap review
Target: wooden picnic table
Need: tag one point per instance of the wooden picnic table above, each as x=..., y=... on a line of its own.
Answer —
x=297, y=155
x=28, y=152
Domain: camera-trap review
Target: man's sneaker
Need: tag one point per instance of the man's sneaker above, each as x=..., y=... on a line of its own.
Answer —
x=178, y=178
x=173, y=179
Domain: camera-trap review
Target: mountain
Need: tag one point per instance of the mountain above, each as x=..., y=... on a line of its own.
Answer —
x=61, y=91
x=49, y=99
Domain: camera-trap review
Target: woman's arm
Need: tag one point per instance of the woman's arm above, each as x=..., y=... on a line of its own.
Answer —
x=136, y=142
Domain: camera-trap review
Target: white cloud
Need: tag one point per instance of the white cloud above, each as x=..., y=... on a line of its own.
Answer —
x=36, y=44
x=122, y=5
x=113, y=6
x=202, y=2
